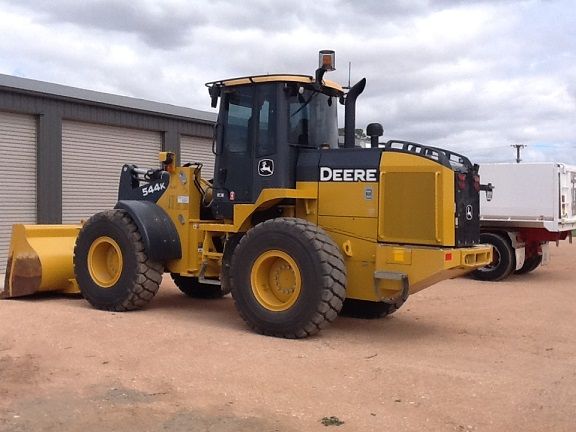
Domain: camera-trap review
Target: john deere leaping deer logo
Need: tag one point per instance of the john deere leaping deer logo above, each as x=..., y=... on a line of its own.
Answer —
x=266, y=167
x=469, y=214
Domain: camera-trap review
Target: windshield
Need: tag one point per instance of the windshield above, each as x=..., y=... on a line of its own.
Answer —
x=312, y=119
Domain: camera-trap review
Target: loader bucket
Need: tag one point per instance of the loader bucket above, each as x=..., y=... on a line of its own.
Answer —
x=40, y=259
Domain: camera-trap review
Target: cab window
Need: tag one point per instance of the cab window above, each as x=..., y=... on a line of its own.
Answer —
x=238, y=119
x=266, y=144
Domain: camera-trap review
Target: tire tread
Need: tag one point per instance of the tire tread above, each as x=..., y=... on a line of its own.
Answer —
x=149, y=273
x=333, y=275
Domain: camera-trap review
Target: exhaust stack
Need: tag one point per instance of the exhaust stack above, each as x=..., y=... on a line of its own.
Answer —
x=350, y=113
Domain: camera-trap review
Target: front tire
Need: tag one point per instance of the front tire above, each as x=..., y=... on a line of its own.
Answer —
x=111, y=265
x=504, y=258
x=288, y=278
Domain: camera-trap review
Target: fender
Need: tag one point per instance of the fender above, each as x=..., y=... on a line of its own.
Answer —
x=161, y=240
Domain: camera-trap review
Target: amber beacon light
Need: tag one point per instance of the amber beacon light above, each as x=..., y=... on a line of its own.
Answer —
x=327, y=60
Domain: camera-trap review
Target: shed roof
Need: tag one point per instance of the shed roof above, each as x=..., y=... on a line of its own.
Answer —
x=67, y=92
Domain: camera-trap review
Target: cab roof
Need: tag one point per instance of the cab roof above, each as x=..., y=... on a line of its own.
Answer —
x=303, y=79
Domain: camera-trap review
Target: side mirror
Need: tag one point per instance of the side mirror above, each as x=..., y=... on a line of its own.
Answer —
x=214, y=92
x=489, y=188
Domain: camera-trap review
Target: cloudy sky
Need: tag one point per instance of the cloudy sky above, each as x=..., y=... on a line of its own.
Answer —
x=471, y=76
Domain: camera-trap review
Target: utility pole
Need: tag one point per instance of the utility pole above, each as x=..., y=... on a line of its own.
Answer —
x=518, y=147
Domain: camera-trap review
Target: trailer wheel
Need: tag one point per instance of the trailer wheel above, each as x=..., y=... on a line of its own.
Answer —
x=365, y=309
x=111, y=265
x=195, y=289
x=503, y=262
x=530, y=264
x=288, y=278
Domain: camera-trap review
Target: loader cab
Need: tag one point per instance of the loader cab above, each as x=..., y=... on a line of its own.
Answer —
x=263, y=124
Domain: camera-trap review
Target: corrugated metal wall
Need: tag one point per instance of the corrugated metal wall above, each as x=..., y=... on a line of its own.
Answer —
x=92, y=158
x=18, y=168
x=197, y=149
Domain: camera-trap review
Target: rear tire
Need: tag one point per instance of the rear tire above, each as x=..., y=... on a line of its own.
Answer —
x=288, y=278
x=192, y=288
x=530, y=264
x=503, y=262
x=365, y=309
x=111, y=265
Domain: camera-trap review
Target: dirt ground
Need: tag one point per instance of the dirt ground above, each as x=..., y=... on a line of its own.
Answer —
x=460, y=356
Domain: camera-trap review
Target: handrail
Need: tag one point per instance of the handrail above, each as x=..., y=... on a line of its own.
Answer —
x=445, y=157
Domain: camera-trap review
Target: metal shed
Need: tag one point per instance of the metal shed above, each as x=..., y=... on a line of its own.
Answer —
x=62, y=148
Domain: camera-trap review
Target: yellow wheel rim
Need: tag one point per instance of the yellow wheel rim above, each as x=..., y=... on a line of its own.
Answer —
x=105, y=261
x=276, y=281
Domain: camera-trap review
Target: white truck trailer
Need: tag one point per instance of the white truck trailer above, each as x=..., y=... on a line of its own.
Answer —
x=532, y=204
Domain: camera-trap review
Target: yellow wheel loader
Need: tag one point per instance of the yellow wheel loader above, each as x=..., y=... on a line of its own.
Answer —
x=296, y=227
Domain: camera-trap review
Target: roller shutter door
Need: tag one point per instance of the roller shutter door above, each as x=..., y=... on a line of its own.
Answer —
x=18, y=167
x=196, y=149
x=92, y=158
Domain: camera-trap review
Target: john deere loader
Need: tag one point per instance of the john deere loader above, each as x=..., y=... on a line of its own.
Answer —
x=295, y=226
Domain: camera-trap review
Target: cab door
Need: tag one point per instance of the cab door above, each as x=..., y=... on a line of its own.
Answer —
x=245, y=146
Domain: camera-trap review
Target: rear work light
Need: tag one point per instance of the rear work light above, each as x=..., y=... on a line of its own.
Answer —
x=461, y=180
x=477, y=183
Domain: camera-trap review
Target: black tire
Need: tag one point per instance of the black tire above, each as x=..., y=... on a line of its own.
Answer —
x=504, y=258
x=530, y=264
x=192, y=288
x=365, y=309
x=111, y=265
x=299, y=278
x=229, y=248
